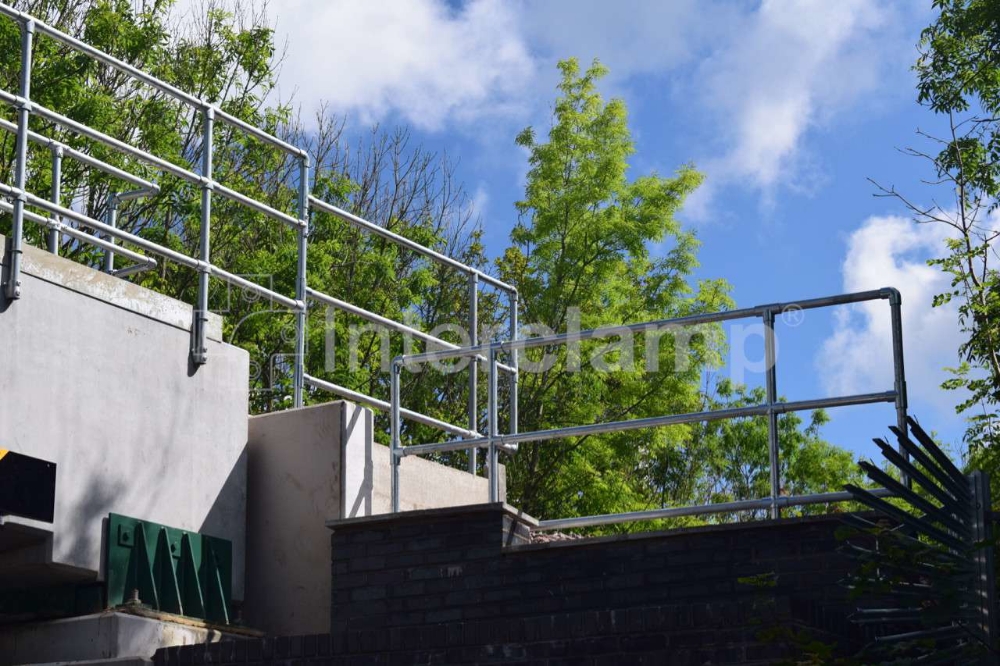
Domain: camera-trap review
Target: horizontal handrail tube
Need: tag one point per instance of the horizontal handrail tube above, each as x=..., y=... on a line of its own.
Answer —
x=82, y=236
x=694, y=417
x=79, y=156
x=273, y=296
x=368, y=315
x=838, y=401
x=383, y=406
x=345, y=392
x=155, y=248
x=650, y=422
x=233, y=195
x=131, y=270
x=608, y=331
x=377, y=319
x=703, y=509
x=136, y=73
x=442, y=447
x=107, y=140
x=319, y=204
x=269, y=139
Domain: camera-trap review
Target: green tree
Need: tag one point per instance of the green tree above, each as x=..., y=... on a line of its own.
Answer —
x=227, y=56
x=724, y=461
x=590, y=239
x=959, y=80
x=595, y=247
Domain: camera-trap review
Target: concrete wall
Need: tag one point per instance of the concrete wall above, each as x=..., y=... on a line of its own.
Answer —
x=95, y=377
x=307, y=467
x=110, y=635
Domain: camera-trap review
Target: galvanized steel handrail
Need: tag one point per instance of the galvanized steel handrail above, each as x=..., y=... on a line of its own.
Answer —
x=475, y=276
x=210, y=113
x=772, y=408
x=471, y=436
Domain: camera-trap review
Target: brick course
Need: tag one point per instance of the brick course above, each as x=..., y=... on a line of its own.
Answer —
x=465, y=585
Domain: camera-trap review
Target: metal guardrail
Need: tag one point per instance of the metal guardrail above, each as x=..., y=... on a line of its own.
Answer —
x=57, y=212
x=772, y=408
x=209, y=113
x=478, y=352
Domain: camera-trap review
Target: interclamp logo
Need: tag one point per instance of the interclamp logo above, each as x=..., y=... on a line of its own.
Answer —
x=650, y=348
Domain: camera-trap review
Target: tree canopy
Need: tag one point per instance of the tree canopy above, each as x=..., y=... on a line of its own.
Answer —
x=594, y=245
x=959, y=80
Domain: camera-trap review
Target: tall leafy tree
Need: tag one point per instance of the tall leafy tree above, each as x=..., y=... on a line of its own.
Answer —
x=597, y=246
x=592, y=241
x=225, y=53
x=959, y=80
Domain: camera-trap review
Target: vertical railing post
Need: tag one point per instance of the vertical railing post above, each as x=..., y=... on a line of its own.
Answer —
x=492, y=428
x=56, y=195
x=899, y=373
x=111, y=219
x=394, y=434
x=473, y=364
x=298, y=380
x=771, y=383
x=199, y=352
x=13, y=285
x=515, y=376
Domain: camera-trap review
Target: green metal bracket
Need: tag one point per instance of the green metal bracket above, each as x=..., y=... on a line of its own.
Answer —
x=169, y=570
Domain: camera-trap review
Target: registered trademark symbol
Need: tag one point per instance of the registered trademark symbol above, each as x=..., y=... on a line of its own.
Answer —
x=793, y=315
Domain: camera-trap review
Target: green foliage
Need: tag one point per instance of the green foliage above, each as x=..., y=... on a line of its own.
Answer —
x=959, y=79
x=590, y=239
x=595, y=248
x=724, y=461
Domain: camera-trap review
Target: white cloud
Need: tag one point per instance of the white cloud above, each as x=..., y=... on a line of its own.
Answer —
x=791, y=67
x=432, y=64
x=758, y=78
x=857, y=357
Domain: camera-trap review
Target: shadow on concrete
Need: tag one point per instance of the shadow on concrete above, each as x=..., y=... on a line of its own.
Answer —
x=363, y=502
x=230, y=503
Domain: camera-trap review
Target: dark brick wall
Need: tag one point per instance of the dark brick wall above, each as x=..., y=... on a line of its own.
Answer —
x=465, y=586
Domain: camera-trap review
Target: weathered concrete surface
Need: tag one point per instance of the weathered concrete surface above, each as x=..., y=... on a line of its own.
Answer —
x=119, y=661
x=294, y=477
x=95, y=377
x=307, y=467
x=110, y=635
x=423, y=484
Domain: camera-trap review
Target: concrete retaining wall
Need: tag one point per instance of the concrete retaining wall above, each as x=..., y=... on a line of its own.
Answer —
x=307, y=467
x=104, y=636
x=95, y=377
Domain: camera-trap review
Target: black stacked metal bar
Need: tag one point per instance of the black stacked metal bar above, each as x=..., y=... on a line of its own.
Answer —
x=926, y=567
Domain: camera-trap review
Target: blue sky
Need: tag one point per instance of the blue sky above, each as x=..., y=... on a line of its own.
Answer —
x=787, y=106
